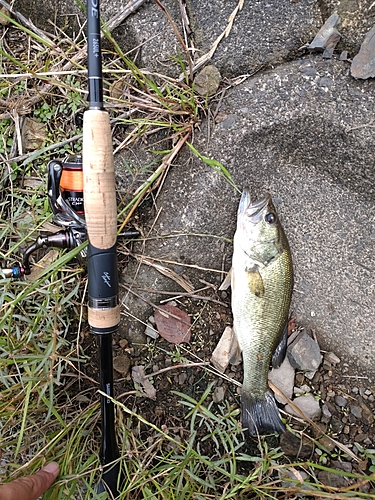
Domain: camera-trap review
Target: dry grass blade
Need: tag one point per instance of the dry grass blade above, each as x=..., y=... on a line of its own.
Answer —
x=169, y=273
x=299, y=412
x=47, y=37
x=206, y=57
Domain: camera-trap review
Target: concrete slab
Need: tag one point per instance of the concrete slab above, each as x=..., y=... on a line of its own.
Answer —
x=304, y=133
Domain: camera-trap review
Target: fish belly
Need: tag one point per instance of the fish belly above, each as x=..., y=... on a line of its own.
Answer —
x=259, y=319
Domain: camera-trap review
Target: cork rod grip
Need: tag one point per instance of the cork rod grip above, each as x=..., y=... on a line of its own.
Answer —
x=99, y=179
x=106, y=318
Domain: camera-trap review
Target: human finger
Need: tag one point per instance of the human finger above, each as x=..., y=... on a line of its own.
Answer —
x=30, y=487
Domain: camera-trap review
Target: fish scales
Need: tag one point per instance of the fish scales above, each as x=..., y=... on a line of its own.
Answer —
x=263, y=320
x=262, y=282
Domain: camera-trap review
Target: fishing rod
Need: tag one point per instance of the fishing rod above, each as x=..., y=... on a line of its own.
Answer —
x=82, y=196
x=101, y=221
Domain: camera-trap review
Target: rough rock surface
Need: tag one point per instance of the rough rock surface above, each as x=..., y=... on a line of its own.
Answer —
x=303, y=133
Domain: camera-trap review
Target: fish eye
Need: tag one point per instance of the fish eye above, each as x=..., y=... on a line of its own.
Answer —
x=270, y=218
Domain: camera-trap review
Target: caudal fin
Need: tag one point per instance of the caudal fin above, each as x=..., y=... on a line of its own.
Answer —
x=261, y=415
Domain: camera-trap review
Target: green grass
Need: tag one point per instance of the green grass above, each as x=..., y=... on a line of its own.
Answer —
x=49, y=408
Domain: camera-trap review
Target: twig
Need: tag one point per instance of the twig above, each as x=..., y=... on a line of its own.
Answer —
x=193, y=266
x=206, y=57
x=117, y=19
x=28, y=24
x=78, y=57
x=28, y=158
x=179, y=37
x=175, y=367
x=169, y=273
x=178, y=295
x=299, y=412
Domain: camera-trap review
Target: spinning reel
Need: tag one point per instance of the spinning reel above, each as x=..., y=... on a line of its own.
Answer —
x=65, y=196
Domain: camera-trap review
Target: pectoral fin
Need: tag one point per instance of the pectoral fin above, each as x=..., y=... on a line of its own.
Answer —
x=280, y=351
x=255, y=281
x=227, y=282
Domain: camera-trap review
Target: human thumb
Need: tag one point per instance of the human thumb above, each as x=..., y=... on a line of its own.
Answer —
x=30, y=487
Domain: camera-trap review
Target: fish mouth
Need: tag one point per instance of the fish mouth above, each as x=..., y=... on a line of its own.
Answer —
x=252, y=209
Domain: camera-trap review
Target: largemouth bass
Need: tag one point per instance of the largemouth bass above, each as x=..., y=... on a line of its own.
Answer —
x=262, y=282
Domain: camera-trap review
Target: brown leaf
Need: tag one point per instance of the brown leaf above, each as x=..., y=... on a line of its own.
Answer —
x=141, y=380
x=173, y=324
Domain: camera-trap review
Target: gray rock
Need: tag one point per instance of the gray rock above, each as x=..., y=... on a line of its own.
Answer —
x=308, y=405
x=332, y=479
x=150, y=331
x=356, y=411
x=345, y=466
x=341, y=401
x=327, y=37
x=262, y=35
x=331, y=357
x=337, y=425
x=306, y=388
x=325, y=412
x=363, y=65
x=294, y=445
x=304, y=354
x=283, y=378
x=218, y=394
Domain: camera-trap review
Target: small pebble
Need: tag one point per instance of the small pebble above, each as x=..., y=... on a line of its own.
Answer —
x=332, y=358
x=305, y=388
x=362, y=391
x=367, y=414
x=360, y=437
x=151, y=320
x=346, y=429
x=356, y=411
x=355, y=390
x=218, y=395
x=151, y=332
x=341, y=401
x=327, y=443
x=123, y=343
x=326, y=412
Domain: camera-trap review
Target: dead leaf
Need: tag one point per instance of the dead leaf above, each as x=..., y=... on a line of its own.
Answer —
x=173, y=324
x=121, y=364
x=33, y=134
x=141, y=380
x=40, y=266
